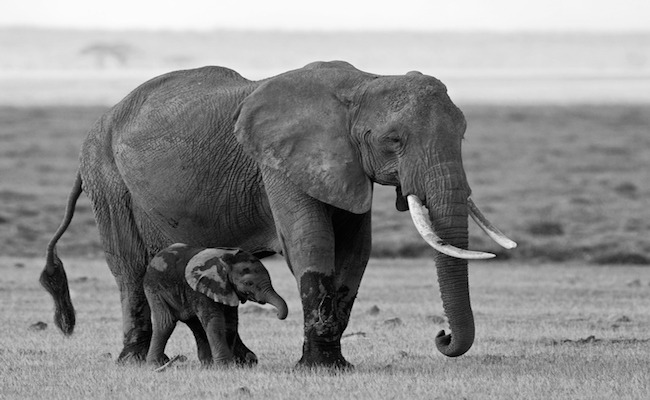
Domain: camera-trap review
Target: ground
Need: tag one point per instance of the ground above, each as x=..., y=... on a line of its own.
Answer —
x=542, y=331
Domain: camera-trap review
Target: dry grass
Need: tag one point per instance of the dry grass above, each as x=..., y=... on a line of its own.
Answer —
x=544, y=331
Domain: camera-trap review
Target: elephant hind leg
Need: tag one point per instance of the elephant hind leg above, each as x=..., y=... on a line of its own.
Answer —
x=127, y=258
x=163, y=326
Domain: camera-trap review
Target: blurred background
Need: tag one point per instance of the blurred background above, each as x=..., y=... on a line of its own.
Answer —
x=556, y=95
x=498, y=51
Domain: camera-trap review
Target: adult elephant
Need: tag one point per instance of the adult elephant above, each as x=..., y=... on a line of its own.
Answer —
x=285, y=165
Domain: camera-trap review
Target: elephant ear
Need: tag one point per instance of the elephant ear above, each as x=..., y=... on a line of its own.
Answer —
x=296, y=123
x=206, y=273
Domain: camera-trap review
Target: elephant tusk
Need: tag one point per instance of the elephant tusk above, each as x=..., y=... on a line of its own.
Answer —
x=420, y=216
x=487, y=226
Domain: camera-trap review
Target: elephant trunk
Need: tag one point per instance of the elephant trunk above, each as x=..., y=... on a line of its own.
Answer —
x=444, y=226
x=442, y=223
x=448, y=214
x=269, y=295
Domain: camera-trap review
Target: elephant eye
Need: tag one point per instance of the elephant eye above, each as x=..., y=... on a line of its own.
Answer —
x=248, y=283
x=392, y=142
x=392, y=138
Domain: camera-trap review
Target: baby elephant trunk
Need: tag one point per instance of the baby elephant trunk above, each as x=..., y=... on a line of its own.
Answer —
x=268, y=295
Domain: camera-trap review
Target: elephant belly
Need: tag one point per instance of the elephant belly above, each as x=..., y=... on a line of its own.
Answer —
x=207, y=216
x=222, y=226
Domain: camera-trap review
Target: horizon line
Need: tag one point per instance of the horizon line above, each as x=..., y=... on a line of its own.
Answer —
x=328, y=31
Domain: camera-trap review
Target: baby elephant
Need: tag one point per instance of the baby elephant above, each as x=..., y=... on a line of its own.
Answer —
x=198, y=286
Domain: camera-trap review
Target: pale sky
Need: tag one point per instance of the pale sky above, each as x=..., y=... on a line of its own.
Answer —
x=492, y=15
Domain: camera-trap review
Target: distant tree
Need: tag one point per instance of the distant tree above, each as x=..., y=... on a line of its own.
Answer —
x=107, y=53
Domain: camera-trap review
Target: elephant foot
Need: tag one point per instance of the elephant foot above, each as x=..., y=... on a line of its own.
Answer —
x=134, y=357
x=249, y=360
x=340, y=364
x=242, y=355
x=166, y=365
x=160, y=361
x=321, y=353
x=136, y=351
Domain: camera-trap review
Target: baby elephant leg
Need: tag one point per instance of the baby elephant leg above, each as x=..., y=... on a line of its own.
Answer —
x=202, y=343
x=163, y=324
x=243, y=355
x=214, y=323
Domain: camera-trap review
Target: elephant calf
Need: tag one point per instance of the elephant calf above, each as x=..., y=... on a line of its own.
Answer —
x=201, y=287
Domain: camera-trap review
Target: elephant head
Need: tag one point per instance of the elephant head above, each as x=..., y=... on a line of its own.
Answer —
x=229, y=276
x=334, y=131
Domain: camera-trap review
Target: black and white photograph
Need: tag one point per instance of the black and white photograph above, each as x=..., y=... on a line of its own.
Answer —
x=325, y=200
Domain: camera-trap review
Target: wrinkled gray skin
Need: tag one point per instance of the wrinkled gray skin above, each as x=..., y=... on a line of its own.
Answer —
x=284, y=165
x=203, y=308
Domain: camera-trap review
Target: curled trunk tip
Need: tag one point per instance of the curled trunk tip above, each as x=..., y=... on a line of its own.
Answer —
x=451, y=347
x=270, y=296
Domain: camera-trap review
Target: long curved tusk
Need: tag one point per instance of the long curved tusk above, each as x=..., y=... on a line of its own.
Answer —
x=420, y=216
x=487, y=226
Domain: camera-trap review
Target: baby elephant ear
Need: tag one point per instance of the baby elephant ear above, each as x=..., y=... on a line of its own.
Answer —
x=207, y=274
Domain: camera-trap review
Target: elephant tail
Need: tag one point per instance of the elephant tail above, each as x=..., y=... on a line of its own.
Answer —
x=53, y=277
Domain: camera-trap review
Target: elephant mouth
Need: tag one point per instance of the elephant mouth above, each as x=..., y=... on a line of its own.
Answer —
x=420, y=216
x=243, y=298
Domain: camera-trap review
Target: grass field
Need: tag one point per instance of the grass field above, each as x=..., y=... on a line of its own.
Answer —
x=545, y=331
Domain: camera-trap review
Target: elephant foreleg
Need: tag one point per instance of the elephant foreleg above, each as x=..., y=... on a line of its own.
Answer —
x=202, y=344
x=305, y=230
x=323, y=325
x=353, y=245
x=330, y=311
x=212, y=318
x=243, y=355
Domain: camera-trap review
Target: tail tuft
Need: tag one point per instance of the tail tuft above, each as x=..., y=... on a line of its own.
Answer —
x=55, y=281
